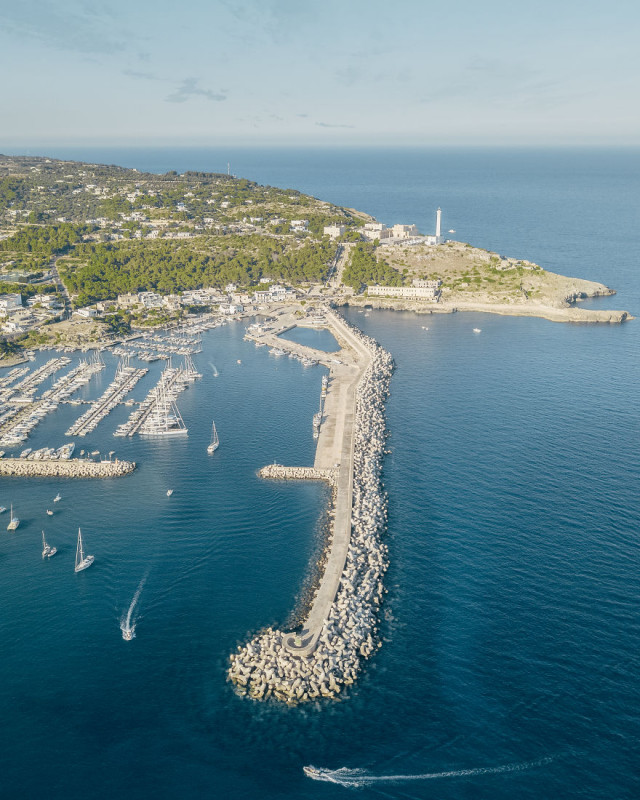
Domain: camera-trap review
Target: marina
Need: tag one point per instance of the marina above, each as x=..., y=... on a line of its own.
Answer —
x=17, y=423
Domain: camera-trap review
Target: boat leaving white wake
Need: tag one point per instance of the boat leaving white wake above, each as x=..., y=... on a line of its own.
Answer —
x=215, y=371
x=356, y=778
x=128, y=629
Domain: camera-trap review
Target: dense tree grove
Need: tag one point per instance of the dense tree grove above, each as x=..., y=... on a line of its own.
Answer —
x=364, y=269
x=110, y=269
x=11, y=189
x=45, y=241
x=28, y=289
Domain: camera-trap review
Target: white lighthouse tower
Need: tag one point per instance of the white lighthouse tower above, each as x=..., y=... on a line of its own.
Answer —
x=438, y=226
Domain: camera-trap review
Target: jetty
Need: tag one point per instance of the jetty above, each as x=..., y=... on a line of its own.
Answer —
x=71, y=468
x=326, y=652
x=125, y=379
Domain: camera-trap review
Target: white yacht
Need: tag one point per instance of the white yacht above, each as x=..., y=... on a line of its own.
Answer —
x=477, y=330
x=82, y=561
x=49, y=512
x=57, y=498
x=47, y=550
x=215, y=441
x=169, y=492
x=13, y=521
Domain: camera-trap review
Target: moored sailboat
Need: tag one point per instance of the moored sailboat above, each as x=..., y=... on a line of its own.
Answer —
x=82, y=561
x=47, y=550
x=215, y=441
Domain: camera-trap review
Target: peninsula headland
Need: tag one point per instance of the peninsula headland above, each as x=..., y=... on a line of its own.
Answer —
x=89, y=252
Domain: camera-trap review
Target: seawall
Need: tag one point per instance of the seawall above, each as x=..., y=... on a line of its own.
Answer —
x=326, y=653
x=71, y=468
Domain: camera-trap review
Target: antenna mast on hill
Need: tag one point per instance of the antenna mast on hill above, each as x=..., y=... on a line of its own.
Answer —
x=228, y=168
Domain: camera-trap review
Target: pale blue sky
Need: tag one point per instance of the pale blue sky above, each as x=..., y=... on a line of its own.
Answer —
x=336, y=71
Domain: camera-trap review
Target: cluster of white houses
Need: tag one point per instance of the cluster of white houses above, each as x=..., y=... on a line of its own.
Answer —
x=15, y=318
x=230, y=301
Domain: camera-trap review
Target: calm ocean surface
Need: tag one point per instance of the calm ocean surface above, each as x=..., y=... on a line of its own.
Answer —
x=511, y=627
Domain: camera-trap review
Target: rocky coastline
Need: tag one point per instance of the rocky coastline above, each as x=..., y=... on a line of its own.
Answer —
x=560, y=313
x=268, y=666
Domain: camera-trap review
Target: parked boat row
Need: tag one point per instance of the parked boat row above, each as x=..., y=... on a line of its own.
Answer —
x=16, y=429
x=125, y=379
x=23, y=391
x=49, y=453
x=13, y=375
x=158, y=414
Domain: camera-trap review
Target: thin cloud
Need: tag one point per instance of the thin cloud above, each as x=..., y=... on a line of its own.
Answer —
x=77, y=26
x=333, y=125
x=144, y=76
x=189, y=88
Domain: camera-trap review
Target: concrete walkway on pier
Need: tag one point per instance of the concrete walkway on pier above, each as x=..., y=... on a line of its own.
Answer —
x=334, y=454
x=335, y=447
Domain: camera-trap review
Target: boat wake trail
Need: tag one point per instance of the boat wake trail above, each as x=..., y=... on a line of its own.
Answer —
x=356, y=778
x=215, y=371
x=128, y=629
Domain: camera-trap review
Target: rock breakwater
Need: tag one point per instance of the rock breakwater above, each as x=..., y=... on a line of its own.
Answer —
x=279, y=472
x=296, y=667
x=72, y=468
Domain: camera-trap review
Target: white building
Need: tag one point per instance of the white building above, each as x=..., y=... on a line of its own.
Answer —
x=334, y=231
x=404, y=232
x=10, y=301
x=231, y=308
x=374, y=230
x=427, y=284
x=87, y=313
x=409, y=292
x=150, y=299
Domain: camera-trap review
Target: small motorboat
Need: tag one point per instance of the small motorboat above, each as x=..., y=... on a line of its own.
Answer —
x=2, y=509
x=312, y=772
x=57, y=498
x=477, y=330
x=49, y=512
x=127, y=634
x=169, y=492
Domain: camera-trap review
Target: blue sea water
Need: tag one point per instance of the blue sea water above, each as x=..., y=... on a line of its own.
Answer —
x=511, y=627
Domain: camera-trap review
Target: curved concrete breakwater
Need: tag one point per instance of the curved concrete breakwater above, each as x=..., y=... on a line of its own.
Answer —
x=71, y=468
x=338, y=632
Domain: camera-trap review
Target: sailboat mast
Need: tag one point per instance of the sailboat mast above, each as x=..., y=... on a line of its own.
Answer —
x=79, y=553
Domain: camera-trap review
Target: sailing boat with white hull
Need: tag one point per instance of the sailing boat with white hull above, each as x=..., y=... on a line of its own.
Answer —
x=215, y=441
x=47, y=550
x=13, y=521
x=82, y=561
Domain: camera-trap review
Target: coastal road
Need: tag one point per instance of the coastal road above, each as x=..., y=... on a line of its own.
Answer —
x=53, y=266
x=341, y=260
